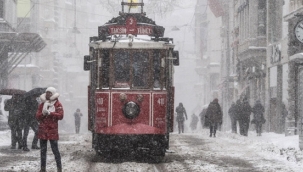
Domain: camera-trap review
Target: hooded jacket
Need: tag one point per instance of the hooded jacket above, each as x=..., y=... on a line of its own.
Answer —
x=214, y=112
x=48, y=124
x=15, y=108
x=258, y=111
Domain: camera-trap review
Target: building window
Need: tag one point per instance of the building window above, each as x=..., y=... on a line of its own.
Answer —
x=262, y=17
x=1, y=9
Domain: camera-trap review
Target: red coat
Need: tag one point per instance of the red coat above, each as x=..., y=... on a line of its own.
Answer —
x=48, y=125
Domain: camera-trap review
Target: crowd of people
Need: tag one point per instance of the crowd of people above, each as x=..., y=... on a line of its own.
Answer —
x=240, y=113
x=212, y=117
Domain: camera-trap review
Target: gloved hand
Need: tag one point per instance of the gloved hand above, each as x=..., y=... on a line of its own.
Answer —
x=45, y=112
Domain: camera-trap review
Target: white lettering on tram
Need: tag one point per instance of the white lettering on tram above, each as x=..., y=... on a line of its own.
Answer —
x=118, y=30
x=101, y=109
x=161, y=101
x=144, y=31
x=122, y=30
x=100, y=101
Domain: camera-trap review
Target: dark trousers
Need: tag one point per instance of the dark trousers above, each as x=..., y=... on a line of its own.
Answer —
x=258, y=128
x=233, y=125
x=34, y=127
x=77, y=126
x=213, y=128
x=55, y=149
x=16, y=136
x=181, y=126
x=244, y=125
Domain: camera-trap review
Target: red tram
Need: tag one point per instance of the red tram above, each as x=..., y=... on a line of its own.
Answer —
x=131, y=92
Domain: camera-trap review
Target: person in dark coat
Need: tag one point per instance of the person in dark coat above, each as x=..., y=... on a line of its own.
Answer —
x=238, y=109
x=214, y=115
x=15, y=109
x=204, y=121
x=194, y=122
x=30, y=121
x=232, y=112
x=180, y=117
x=77, y=116
x=284, y=115
x=258, y=120
x=244, y=118
x=50, y=111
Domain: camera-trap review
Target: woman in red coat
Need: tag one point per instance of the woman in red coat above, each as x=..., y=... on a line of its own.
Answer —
x=48, y=114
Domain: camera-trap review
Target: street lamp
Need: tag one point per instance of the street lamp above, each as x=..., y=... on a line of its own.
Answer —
x=177, y=28
x=75, y=29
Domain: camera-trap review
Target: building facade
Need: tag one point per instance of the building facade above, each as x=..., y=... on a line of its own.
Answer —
x=18, y=41
x=254, y=62
x=294, y=119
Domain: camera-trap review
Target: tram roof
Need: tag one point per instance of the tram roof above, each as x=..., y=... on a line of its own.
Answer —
x=132, y=42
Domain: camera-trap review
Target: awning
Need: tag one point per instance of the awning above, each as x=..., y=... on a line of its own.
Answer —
x=22, y=42
x=17, y=46
x=216, y=7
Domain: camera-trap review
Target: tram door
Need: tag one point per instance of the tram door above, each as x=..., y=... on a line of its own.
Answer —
x=299, y=105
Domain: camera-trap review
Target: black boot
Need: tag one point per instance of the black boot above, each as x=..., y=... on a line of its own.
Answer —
x=25, y=149
x=43, y=169
x=210, y=135
x=35, y=147
x=59, y=169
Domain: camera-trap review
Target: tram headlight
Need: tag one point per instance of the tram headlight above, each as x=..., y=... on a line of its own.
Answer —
x=122, y=97
x=140, y=97
x=131, y=110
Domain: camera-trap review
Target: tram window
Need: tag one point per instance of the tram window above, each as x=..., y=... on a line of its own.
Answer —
x=141, y=70
x=105, y=68
x=157, y=69
x=122, y=69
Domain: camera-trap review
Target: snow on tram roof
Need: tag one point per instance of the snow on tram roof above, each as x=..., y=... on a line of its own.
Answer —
x=139, y=41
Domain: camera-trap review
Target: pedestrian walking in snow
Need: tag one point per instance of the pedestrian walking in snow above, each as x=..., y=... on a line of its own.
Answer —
x=180, y=117
x=244, y=118
x=204, y=122
x=214, y=115
x=30, y=121
x=194, y=122
x=15, y=108
x=77, y=116
x=48, y=114
x=284, y=114
x=259, y=119
x=232, y=112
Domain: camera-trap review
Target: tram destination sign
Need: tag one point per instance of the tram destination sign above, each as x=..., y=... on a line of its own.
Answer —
x=130, y=25
x=140, y=30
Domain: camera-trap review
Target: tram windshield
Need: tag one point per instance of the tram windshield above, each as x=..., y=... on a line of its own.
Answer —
x=122, y=69
x=141, y=69
x=136, y=69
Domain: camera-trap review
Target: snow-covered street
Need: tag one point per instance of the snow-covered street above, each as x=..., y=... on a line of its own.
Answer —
x=188, y=152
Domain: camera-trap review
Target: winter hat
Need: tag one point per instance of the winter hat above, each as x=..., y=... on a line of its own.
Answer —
x=51, y=89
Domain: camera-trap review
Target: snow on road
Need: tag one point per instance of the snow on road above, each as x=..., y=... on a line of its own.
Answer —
x=188, y=152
